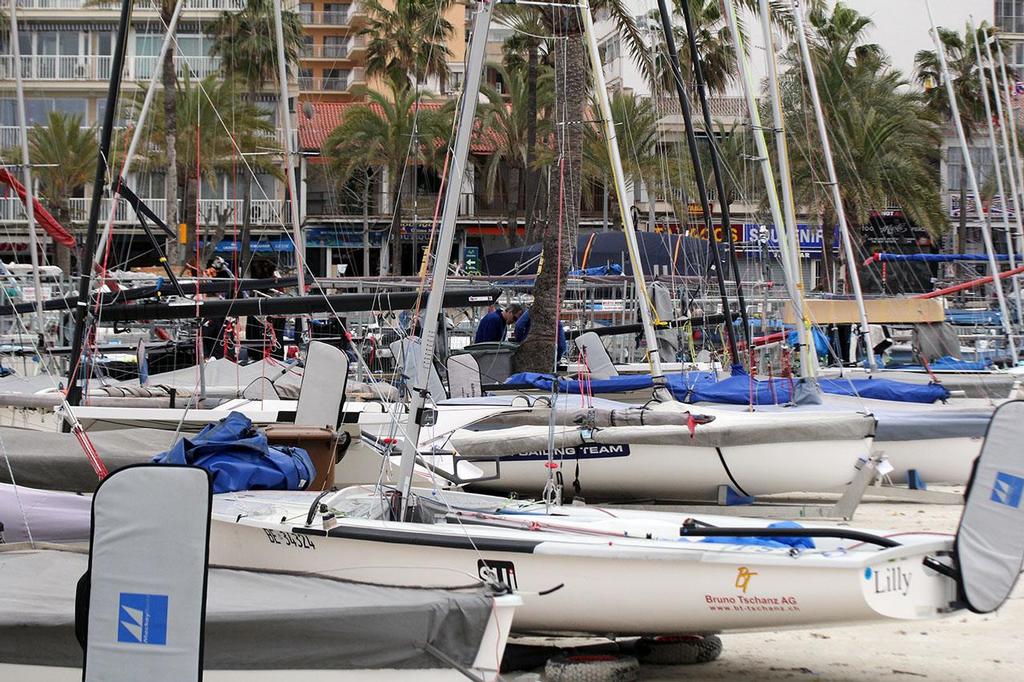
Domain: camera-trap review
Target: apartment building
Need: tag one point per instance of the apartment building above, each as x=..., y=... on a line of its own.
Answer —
x=332, y=65
x=66, y=48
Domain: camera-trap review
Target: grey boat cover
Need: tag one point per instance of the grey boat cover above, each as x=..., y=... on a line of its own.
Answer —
x=55, y=461
x=255, y=620
x=748, y=429
x=52, y=516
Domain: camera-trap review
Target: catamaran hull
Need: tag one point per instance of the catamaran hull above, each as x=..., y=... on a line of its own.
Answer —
x=617, y=472
x=600, y=588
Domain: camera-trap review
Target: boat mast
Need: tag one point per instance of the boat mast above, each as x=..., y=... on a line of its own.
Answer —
x=807, y=356
x=289, y=151
x=746, y=80
x=986, y=230
x=983, y=84
x=716, y=166
x=139, y=131
x=691, y=142
x=1017, y=188
x=439, y=278
x=619, y=177
x=26, y=171
x=85, y=267
x=833, y=183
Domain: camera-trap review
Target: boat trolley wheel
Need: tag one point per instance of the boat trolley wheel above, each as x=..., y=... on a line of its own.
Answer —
x=679, y=649
x=591, y=668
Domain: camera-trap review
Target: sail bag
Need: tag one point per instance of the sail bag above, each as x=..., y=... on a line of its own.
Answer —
x=141, y=605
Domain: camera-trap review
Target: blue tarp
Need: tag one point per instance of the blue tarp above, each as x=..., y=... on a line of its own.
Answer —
x=940, y=257
x=974, y=317
x=821, y=343
x=774, y=542
x=238, y=457
x=597, y=271
x=739, y=389
x=946, y=363
x=696, y=387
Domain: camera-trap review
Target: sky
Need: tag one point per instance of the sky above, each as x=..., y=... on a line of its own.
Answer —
x=901, y=26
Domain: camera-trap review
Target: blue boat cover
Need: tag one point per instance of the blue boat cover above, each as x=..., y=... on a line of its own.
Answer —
x=974, y=317
x=946, y=363
x=679, y=384
x=821, y=342
x=741, y=389
x=773, y=542
x=597, y=271
x=238, y=457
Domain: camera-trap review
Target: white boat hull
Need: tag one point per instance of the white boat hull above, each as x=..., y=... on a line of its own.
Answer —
x=615, y=472
x=581, y=583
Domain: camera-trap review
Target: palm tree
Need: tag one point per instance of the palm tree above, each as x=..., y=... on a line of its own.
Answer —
x=714, y=47
x=886, y=139
x=962, y=65
x=64, y=155
x=407, y=42
x=636, y=125
x=216, y=148
x=379, y=134
x=244, y=40
x=508, y=117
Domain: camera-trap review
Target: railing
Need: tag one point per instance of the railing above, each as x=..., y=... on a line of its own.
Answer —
x=722, y=106
x=326, y=17
x=326, y=51
x=141, y=68
x=87, y=67
x=215, y=5
x=262, y=211
x=10, y=136
x=57, y=67
x=341, y=83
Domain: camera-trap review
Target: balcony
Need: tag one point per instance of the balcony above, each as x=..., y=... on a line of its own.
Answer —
x=326, y=51
x=10, y=137
x=57, y=67
x=195, y=5
x=325, y=18
x=262, y=211
x=97, y=67
x=342, y=83
x=141, y=68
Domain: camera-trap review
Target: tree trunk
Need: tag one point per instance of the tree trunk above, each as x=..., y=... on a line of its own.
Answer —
x=537, y=353
x=61, y=253
x=245, y=252
x=826, y=278
x=395, y=234
x=532, y=176
x=189, y=203
x=222, y=215
x=366, y=224
x=512, y=180
x=169, y=79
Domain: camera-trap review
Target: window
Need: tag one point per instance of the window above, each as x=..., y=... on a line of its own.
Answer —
x=1009, y=15
x=307, y=45
x=37, y=109
x=336, y=46
x=336, y=14
x=983, y=166
x=305, y=79
x=335, y=79
x=306, y=12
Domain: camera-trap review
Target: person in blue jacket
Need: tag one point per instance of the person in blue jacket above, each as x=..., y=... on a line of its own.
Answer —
x=522, y=330
x=492, y=325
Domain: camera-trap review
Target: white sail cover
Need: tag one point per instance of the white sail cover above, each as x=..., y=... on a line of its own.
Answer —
x=147, y=575
x=990, y=542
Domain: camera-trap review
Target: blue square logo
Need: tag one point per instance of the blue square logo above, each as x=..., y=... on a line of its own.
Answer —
x=1008, y=489
x=142, y=618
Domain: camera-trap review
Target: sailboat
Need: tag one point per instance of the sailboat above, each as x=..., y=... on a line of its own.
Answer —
x=596, y=570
